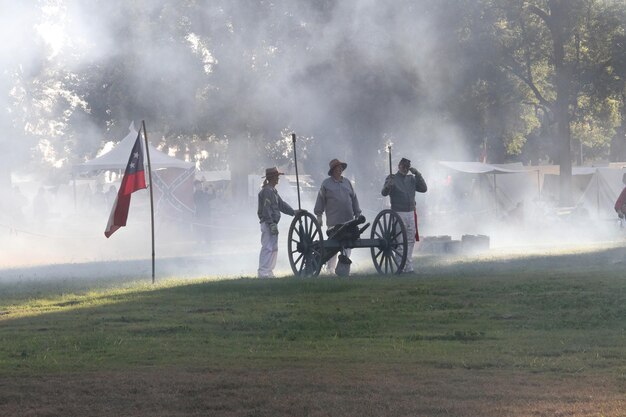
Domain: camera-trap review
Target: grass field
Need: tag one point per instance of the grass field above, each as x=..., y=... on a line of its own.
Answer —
x=541, y=336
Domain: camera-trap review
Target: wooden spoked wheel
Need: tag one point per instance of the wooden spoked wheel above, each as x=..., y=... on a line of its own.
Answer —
x=390, y=256
x=305, y=245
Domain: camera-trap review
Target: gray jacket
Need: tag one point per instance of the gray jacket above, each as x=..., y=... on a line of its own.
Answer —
x=338, y=200
x=401, y=190
x=270, y=205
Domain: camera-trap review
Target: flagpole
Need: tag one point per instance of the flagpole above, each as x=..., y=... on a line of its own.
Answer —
x=145, y=135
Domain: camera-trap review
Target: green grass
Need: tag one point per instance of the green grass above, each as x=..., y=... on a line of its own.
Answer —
x=562, y=323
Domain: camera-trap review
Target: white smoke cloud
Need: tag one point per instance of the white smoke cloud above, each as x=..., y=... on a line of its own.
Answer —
x=347, y=75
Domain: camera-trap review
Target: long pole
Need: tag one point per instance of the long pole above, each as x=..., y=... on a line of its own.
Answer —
x=145, y=136
x=295, y=161
x=390, y=169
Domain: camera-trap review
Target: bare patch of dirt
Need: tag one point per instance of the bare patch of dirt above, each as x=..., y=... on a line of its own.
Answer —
x=328, y=391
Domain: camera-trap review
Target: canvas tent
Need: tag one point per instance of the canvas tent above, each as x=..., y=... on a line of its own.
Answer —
x=602, y=191
x=117, y=158
x=594, y=188
x=491, y=187
x=482, y=168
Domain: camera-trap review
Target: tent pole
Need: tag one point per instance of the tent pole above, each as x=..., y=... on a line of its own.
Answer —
x=145, y=135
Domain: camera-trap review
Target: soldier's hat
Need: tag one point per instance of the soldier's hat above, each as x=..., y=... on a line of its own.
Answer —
x=405, y=162
x=272, y=172
x=336, y=162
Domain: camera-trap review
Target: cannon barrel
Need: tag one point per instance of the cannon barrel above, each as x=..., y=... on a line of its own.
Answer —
x=347, y=230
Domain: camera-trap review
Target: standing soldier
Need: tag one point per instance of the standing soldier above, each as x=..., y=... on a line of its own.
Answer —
x=338, y=199
x=270, y=206
x=401, y=189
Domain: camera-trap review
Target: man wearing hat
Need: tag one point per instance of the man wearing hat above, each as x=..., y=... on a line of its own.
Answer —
x=270, y=206
x=338, y=199
x=401, y=189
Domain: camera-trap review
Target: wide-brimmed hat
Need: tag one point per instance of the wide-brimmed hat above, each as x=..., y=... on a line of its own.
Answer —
x=336, y=162
x=405, y=161
x=272, y=172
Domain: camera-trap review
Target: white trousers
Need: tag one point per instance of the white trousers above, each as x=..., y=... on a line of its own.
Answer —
x=269, y=252
x=408, y=218
x=331, y=264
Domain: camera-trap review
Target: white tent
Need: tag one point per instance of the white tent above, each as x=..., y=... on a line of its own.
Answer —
x=117, y=158
x=594, y=188
x=497, y=187
x=602, y=191
x=482, y=168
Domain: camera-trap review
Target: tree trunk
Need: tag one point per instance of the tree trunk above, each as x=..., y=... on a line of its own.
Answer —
x=618, y=142
x=563, y=137
x=242, y=163
x=557, y=28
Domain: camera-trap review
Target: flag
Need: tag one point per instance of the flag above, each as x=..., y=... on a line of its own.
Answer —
x=134, y=179
x=173, y=193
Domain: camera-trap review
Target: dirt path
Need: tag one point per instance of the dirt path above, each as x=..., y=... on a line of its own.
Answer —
x=349, y=391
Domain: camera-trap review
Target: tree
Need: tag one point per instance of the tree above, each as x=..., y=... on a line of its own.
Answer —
x=230, y=74
x=21, y=61
x=552, y=47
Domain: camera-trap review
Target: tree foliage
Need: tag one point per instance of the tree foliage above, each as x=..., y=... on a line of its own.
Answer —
x=222, y=82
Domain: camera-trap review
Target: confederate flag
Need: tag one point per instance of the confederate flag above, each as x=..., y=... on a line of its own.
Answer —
x=134, y=179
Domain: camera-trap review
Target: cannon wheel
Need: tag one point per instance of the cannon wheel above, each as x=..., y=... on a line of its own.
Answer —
x=305, y=245
x=390, y=256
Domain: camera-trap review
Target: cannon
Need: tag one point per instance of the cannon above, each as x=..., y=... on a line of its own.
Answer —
x=308, y=250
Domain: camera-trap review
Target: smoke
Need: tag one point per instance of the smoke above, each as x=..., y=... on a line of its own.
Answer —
x=350, y=76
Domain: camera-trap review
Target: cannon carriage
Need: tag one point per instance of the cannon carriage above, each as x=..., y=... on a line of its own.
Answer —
x=308, y=250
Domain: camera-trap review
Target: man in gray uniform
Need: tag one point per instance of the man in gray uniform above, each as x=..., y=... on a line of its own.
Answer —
x=338, y=199
x=401, y=189
x=269, y=208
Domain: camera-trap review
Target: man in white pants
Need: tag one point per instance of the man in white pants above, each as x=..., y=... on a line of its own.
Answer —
x=269, y=209
x=401, y=189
